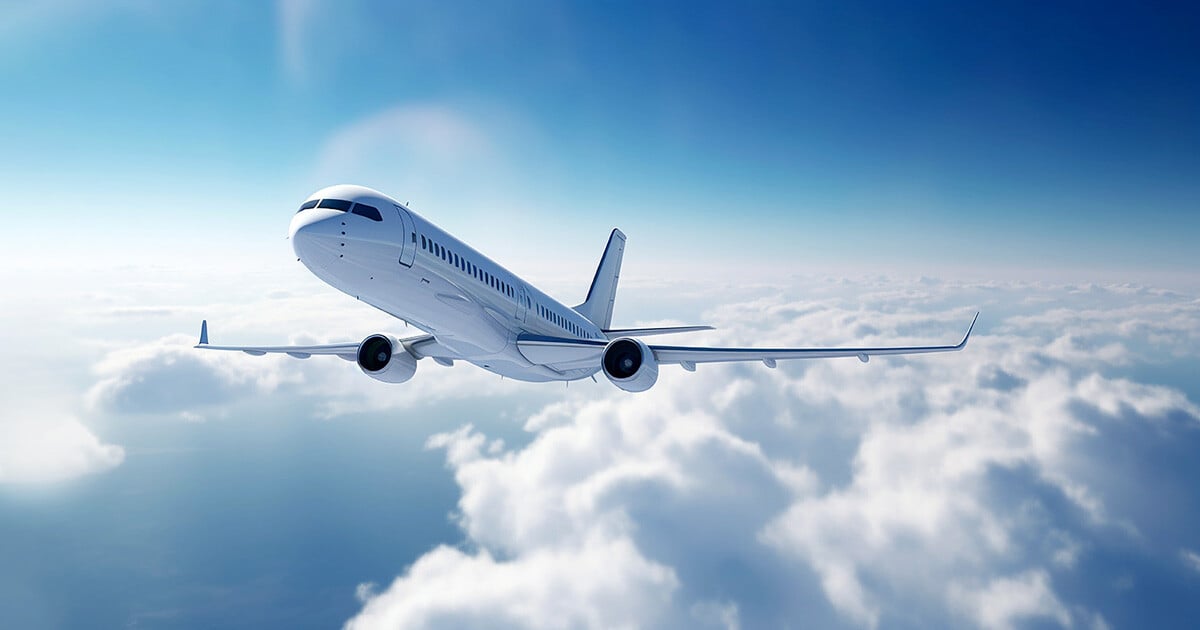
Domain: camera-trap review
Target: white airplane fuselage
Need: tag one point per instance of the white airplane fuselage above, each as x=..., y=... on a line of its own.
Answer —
x=415, y=271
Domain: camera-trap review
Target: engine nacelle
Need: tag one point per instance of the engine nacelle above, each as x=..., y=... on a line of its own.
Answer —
x=630, y=364
x=385, y=359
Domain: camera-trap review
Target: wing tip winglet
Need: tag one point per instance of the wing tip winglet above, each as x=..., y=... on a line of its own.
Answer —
x=203, y=333
x=962, y=344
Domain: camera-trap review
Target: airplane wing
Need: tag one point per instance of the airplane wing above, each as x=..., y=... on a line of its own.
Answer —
x=561, y=353
x=613, y=333
x=421, y=346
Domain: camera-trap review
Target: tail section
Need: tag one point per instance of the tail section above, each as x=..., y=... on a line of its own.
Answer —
x=598, y=306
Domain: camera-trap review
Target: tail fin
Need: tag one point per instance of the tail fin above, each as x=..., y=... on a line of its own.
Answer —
x=598, y=306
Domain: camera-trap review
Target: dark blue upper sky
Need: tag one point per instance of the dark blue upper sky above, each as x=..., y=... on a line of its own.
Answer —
x=1044, y=134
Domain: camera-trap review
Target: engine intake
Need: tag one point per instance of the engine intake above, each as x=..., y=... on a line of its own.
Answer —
x=385, y=359
x=630, y=365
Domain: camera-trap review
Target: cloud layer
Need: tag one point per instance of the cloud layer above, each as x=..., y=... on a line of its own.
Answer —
x=947, y=490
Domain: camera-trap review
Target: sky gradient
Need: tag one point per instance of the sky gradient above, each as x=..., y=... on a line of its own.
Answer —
x=833, y=135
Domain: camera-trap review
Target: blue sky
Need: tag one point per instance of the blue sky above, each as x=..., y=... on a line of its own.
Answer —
x=792, y=173
x=854, y=130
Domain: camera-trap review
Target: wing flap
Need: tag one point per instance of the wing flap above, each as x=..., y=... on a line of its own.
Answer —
x=300, y=352
x=613, y=333
x=561, y=353
x=565, y=353
x=689, y=356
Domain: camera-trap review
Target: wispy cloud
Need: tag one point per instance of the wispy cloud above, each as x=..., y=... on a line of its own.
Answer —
x=295, y=17
x=409, y=148
x=1190, y=558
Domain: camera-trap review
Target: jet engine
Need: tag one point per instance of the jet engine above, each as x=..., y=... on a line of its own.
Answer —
x=385, y=359
x=630, y=364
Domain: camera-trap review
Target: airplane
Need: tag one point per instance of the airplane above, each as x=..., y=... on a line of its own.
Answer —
x=378, y=250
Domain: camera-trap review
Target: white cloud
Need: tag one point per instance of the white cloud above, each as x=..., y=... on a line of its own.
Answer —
x=1067, y=550
x=1190, y=558
x=168, y=376
x=601, y=584
x=39, y=451
x=1117, y=396
x=1008, y=600
x=887, y=481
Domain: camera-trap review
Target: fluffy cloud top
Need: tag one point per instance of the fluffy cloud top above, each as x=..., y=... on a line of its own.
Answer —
x=942, y=490
x=948, y=490
x=52, y=450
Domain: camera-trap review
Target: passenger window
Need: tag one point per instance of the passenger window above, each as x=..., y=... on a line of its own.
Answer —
x=422, y=241
x=312, y=203
x=336, y=204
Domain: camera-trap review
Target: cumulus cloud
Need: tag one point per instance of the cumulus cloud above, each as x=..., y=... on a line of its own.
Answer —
x=1007, y=600
x=945, y=490
x=38, y=451
x=603, y=583
x=168, y=377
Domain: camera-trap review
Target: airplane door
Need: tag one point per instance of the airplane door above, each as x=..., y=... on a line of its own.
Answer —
x=408, y=242
x=522, y=303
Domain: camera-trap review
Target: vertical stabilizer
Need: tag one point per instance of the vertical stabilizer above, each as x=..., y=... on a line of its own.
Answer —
x=598, y=306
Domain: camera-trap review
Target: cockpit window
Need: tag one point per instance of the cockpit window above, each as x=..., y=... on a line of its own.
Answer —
x=312, y=203
x=335, y=204
x=371, y=212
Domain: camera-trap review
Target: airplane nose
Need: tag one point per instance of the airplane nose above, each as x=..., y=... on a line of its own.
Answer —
x=305, y=219
x=311, y=230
